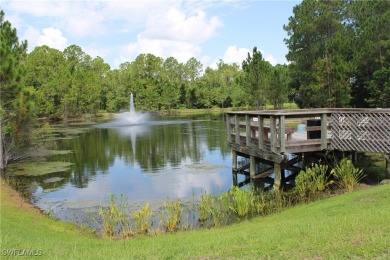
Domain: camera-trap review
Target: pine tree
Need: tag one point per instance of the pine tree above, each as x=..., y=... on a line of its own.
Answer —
x=15, y=106
x=256, y=70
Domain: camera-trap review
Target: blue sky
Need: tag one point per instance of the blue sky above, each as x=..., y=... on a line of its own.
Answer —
x=119, y=30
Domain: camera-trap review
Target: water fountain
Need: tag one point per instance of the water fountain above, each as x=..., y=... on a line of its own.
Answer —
x=132, y=117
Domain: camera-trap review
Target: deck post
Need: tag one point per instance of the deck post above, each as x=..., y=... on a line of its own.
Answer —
x=354, y=158
x=273, y=134
x=278, y=176
x=387, y=156
x=252, y=169
x=260, y=131
x=234, y=160
x=235, y=179
x=324, y=131
x=229, y=128
x=248, y=130
x=237, y=128
x=283, y=175
x=282, y=138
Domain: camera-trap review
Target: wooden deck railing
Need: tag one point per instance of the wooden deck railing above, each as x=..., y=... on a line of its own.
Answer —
x=274, y=131
x=363, y=131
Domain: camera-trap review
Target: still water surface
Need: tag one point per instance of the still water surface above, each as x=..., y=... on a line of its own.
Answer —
x=164, y=158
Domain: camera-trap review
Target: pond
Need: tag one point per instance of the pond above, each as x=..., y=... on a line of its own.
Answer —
x=162, y=158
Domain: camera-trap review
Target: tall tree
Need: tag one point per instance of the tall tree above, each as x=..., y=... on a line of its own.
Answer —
x=256, y=70
x=227, y=77
x=100, y=70
x=209, y=84
x=146, y=79
x=16, y=116
x=278, y=88
x=318, y=52
x=192, y=72
x=172, y=80
x=116, y=96
x=369, y=25
x=45, y=68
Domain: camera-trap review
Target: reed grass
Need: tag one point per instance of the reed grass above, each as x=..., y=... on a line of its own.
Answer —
x=171, y=215
x=143, y=220
x=219, y=209
x=203, y=208
x=312, y=180
x=242, y=201
x=348, y=177
x=114, y=218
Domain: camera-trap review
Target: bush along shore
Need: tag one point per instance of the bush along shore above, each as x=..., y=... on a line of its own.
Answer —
x=235, y=205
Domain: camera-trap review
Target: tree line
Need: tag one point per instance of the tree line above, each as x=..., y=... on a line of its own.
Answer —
x=339, y=53
x=339, y=56
x=70, y=83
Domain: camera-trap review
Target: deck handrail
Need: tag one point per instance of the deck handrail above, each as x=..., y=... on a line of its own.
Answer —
x=271, y=134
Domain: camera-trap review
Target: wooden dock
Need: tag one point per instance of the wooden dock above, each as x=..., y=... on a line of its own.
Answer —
x=271, y=137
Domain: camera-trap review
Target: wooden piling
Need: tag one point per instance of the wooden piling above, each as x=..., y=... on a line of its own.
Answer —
x=234, y=160
x=252, y=170
x=278, y=176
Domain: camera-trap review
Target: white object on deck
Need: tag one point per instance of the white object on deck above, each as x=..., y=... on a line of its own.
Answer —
x=301, y=128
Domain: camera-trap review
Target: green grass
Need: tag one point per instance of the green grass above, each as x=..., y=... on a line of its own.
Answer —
x=285, y=106
x=353, y=225
x=195, y=111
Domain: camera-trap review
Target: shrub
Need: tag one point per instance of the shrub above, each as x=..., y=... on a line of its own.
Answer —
x=261, y=202
x=311, y=181
x=203, y=208
x=171, y=215
x=219, y=209
x=142, y=219
x=348, y=177
x=114, y=218
x=242, y=201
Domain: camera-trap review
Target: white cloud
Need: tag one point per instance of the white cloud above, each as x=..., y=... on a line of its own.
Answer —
x=178, y=26
x=233, y=54
x=172, y=33
x=182, y=51
x=86, y=22
x=271, y=59
x=94, y=50
x=53, y=38
x=40, y=8
x=32, y=34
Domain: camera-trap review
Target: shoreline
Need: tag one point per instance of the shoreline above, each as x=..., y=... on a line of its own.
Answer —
x=16, y=198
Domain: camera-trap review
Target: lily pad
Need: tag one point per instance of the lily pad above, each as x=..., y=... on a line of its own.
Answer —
x=42, y=152
x=53, y=179
x=37, y=168
x=73, y=131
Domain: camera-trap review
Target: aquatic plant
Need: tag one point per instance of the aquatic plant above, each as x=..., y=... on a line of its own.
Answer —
x=312, y=180
x=220, y=209
x=171, y=215
x=261, y=201
x=348, y=177
x=242, y=201
x=115, y=218
x=37, y=168
x=203, y=208
x=142, y=219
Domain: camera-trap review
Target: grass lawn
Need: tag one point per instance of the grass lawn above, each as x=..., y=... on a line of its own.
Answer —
x=352, y=225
